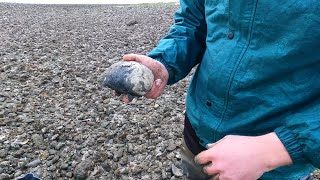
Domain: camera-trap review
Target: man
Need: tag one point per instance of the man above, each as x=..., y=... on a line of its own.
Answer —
x=254, y=101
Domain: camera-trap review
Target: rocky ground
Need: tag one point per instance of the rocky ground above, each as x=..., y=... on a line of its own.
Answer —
x=55, y=119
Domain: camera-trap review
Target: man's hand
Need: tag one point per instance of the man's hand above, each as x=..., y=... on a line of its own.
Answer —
x=243, y=157
x=160, y=73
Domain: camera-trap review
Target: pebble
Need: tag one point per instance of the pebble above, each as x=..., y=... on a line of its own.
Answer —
x=52, y=168
x=37, y=139
x=60, y=145
x=69, y=174
x=64, y=166
x=54, y=137
x=171, y=146
x=18, y=153
x=3, y=153
x=4, y=176
x=176, y=171
x=104, y=124
x=119, y=153
x=52, y=151
x=81, y=171
x=17, y=173
x=33, y=163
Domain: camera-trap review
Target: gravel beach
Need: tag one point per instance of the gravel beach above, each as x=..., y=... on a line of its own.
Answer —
x=56, y=121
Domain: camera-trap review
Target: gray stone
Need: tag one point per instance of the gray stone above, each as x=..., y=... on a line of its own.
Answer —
x=176, y=171
x=4, y=176
x=37, y=139
x=119, y=153
x=81, y=171
x=60, y=145
x=52, y=151
x=33, y=163
x=17, y=173
x=54, y=137
x=171, y=145
x=104, y=124
x=128, y=77
x=69, y=174
x=52, y=168
x=3, y=153
x=64, y=166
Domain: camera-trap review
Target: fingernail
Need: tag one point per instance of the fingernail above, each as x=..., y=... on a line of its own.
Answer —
x=158, y=82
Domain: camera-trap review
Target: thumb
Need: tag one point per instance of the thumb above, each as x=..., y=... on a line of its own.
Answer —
x=129, y=57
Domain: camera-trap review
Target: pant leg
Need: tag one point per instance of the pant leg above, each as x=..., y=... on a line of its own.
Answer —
x=191, y=170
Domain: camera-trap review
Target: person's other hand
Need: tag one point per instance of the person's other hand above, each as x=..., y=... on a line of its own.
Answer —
x=243, y=157
x=160, y=73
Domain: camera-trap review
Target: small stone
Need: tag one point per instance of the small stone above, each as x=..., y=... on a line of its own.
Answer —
x=81, y=171
x=52, y=168
x=33, y=163
x=118, y=154
x=171, y=146
x=18, y=173
x=18, y=153
x=106, y=166
x=4, y=176
x=69, y=174
x=101, y=140
x=54, y=137
x=52, y=151
x=3, y=153
x=176, y=171
x=132, y=23
x=29, y=120
x=104, y=124
x=64, y=166
x=55, y=159
x=37, y=139
x=60, y=145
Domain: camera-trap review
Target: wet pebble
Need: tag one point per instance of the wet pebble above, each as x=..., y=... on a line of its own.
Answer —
x=33, y=163
x=37, y=139
x=128, y=77
x=176, y=171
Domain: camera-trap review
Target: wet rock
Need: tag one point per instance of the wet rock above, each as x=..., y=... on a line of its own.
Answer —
x=18, y=173
x=3, y=153
x=33, y=163
x=176, y=171
x=52, y=151
x=64, y=166
x=128, y=77
x=37, y=139
x=60, y=145
x=81, y=171
x=4, y=176
x=171, y=145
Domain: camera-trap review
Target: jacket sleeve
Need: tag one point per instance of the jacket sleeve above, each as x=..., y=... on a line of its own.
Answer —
x=183, y=47
x=301, y=134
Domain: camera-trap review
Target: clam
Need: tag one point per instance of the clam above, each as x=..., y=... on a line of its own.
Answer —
x=128, y=77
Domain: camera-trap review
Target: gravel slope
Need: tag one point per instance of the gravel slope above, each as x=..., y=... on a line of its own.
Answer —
x=56, y=121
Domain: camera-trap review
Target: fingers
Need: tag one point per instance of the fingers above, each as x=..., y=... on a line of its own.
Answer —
x=125, y=99
x=156, y=89
x=210, y=170
x=134, y=57
x=204, y=157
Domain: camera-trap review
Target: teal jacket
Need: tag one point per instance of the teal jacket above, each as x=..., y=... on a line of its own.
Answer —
x=258, y=72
